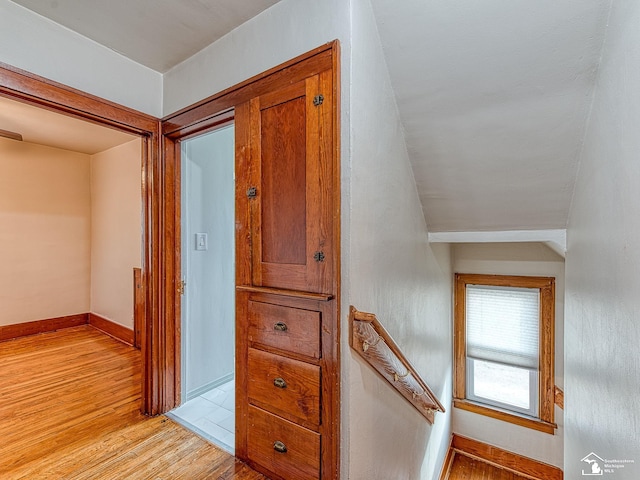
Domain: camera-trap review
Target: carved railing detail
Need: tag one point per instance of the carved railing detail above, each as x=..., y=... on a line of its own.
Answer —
x=369, y=338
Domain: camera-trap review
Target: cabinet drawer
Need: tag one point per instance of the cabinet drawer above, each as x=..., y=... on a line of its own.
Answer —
x=291, y=329
x=291, y=451
x=287, y=387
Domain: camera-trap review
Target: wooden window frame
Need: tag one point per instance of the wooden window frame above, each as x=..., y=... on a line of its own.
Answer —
x=544, y=422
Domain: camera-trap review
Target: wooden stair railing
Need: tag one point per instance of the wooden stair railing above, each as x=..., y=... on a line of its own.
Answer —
x=373, y=343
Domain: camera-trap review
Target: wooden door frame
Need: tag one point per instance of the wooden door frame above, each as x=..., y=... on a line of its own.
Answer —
x=32, y=89
x=204, y=116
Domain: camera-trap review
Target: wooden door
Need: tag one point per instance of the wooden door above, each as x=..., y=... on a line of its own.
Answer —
x=291, y=191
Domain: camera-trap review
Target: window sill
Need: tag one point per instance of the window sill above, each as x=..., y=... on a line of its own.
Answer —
x=523, y=421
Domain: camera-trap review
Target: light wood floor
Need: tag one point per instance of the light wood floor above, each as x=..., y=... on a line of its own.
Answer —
x=468, y=468
x=69, y=409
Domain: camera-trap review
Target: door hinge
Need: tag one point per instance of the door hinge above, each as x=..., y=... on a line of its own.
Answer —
x=252, y=192
x=318, y=99
x=318, y=256
x=181, y=286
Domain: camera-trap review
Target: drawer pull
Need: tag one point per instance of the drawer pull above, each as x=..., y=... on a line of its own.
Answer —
x=280, y=327
x=280, y=383
x=280, y=447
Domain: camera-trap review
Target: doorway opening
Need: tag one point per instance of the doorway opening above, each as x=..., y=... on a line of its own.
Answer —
x=71, y=210
x=207, y=225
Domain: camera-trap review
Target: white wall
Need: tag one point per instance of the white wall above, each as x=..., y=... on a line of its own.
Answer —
x=45, y=232
x=516, y=259
x=209, y=303
x=603, y=264
x=390, y=270
x=388, y=267
x=31, y=42
x=116, y=230
x=284, y=31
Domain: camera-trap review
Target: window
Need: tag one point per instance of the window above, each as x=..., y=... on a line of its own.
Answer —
x=503, y=348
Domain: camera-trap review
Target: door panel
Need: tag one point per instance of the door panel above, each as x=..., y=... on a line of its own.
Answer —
x=290, y=215
x=284, y=235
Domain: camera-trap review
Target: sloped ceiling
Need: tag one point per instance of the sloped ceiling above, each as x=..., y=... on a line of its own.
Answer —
x=494, y=95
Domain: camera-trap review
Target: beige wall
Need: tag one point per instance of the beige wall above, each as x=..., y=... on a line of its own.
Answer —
x=116, y=230
x=70, y=231
x=516, y=259
x=44, y=232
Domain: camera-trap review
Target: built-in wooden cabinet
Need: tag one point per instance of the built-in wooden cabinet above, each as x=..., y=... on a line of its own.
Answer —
x=287, y=262
x=291, y=186
x=288, y=398
x=281, y=446
x=287, y=388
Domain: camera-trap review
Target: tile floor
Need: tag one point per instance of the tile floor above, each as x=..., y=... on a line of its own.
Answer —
x=211, y=415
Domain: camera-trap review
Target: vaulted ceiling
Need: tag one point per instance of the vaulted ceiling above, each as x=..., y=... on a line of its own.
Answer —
x=493, y=95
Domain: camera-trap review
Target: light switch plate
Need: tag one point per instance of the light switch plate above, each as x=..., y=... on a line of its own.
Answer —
x=202, y=241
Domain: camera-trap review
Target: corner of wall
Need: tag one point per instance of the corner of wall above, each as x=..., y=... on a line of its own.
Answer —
x=393, y=272
x=38, y=45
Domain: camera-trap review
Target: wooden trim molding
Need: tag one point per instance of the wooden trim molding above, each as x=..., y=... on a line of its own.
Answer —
x=529, y=422
x=115, y=330
x=29, y=88
x=373, y=343
x=111, y=328
x=448, y=461
x=138, y=307
x=506, y=460
x=322, y=297
x=39, y=91
x=17, y=330
x=546, y=377
x=196, y=117
x=559, y=397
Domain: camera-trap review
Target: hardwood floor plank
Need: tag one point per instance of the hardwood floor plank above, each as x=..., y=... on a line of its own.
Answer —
x=469, y=468
x=69, y=409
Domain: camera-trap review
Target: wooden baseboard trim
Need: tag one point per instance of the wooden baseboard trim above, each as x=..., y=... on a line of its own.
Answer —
x=17, y=330
x=505, y=459
x=115, y=330
x=448, y=461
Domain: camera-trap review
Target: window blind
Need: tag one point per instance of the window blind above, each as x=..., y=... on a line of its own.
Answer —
x=502, y=324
